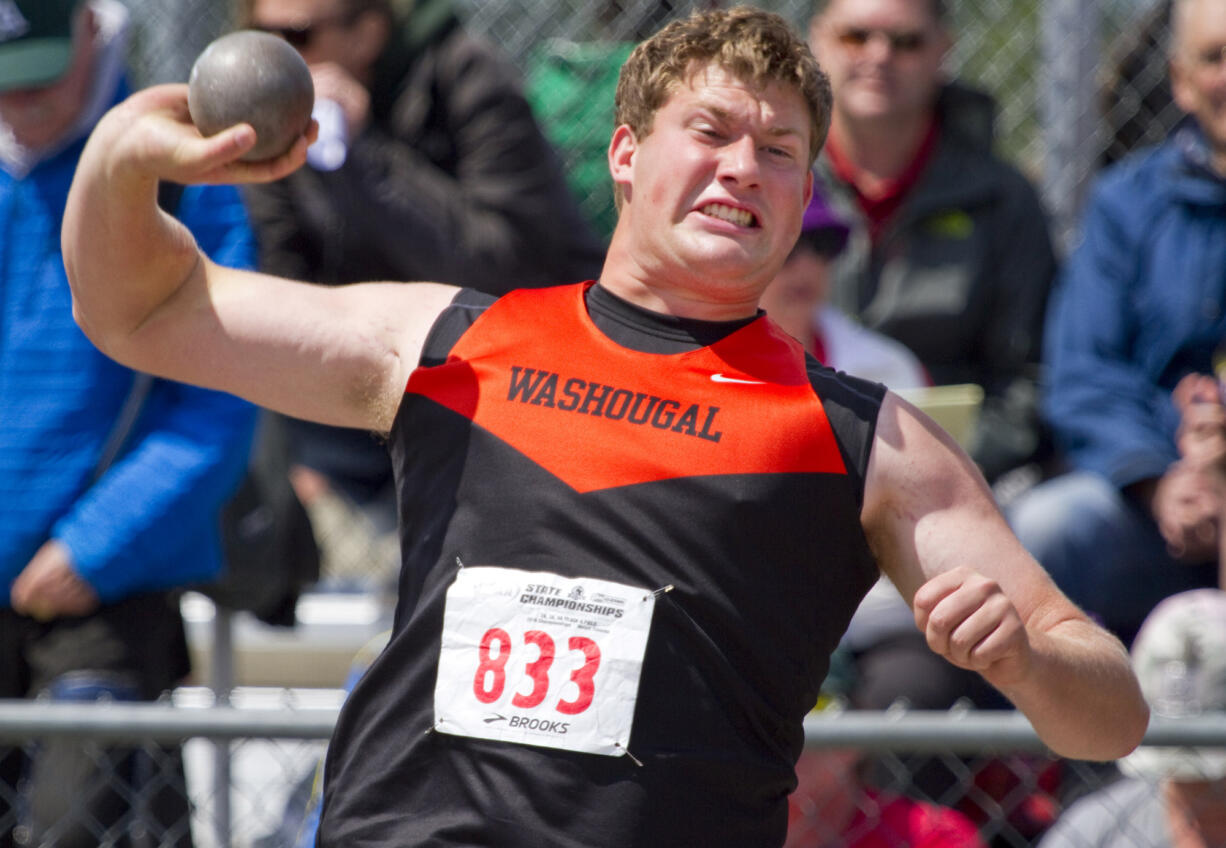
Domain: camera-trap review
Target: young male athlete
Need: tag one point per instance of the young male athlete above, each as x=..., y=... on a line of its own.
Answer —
x=635, y=517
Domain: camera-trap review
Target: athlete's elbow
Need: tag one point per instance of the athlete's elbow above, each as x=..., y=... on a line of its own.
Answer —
x=1110, y=737
x=91, y=330
x=1134, y=724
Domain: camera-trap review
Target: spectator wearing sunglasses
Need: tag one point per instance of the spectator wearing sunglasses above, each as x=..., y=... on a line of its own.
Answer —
x=445, y=176
x=949, y=250
x=948, y=253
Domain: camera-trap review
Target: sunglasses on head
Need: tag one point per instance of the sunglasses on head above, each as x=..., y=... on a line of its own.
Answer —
x=900, y=41
x=302, y=35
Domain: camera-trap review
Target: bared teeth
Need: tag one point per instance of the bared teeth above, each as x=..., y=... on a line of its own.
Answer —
x=740, y=217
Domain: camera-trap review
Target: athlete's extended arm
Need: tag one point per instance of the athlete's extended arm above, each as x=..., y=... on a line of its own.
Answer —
x=148, y=297
x=981, y=599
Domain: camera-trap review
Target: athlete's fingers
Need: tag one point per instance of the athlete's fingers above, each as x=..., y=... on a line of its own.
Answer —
x=967, y=618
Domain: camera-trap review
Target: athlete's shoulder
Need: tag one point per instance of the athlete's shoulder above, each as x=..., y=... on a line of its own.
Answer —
x=851, y=405
x=454, y=321
x=839, y=387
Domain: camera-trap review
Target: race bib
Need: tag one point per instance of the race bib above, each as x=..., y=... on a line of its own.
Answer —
x=539, y=659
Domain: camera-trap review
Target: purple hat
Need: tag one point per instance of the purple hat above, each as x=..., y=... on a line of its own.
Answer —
x=822, y=226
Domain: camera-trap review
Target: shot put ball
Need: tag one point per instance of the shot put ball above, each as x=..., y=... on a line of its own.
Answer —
x=255, y=78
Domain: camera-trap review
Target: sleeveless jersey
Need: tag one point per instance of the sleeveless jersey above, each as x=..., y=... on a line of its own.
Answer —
x=561, y=474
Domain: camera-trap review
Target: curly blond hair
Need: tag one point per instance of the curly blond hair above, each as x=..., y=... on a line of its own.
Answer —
x=755, y=46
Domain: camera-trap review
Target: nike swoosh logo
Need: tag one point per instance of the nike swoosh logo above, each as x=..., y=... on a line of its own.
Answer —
x=719, y=377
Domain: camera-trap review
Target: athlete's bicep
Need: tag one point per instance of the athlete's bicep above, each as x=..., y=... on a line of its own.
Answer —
x=927, y=509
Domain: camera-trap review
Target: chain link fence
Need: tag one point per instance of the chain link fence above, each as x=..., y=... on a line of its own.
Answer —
x=270, y=742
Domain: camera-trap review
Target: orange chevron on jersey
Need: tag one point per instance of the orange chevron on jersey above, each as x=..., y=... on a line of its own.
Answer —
x=542, y=378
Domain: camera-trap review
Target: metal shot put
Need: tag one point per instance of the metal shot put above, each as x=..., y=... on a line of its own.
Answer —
x=254, y=78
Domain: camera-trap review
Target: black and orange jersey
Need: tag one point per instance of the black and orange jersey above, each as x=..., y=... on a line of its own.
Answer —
x=726, y=477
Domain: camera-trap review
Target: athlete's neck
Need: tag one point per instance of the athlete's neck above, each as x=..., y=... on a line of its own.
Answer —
x=649, y=331
x=660, y=284
x=680, y=301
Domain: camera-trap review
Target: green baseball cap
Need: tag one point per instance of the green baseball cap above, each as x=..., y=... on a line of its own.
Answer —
x=35, y=41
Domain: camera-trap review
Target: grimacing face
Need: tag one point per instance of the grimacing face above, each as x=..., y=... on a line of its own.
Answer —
x=717, y=189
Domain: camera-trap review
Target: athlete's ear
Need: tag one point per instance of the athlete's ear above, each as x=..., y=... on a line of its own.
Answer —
x=622, y=149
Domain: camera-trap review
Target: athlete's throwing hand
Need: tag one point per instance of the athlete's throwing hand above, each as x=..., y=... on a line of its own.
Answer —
x=160, y=137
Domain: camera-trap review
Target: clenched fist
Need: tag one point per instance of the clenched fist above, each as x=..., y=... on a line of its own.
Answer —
x=968, y=619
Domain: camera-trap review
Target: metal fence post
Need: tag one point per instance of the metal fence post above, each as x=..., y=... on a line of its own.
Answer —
x=1068, y=108
x=221, y=681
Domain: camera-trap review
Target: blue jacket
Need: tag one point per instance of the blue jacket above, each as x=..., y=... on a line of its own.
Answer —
x=151, y=521
x=1141, y=303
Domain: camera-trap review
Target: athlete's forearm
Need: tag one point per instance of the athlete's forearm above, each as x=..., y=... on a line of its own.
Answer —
x=1081, y=695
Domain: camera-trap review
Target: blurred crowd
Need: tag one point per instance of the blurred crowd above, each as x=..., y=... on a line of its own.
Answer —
x=926, y=262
